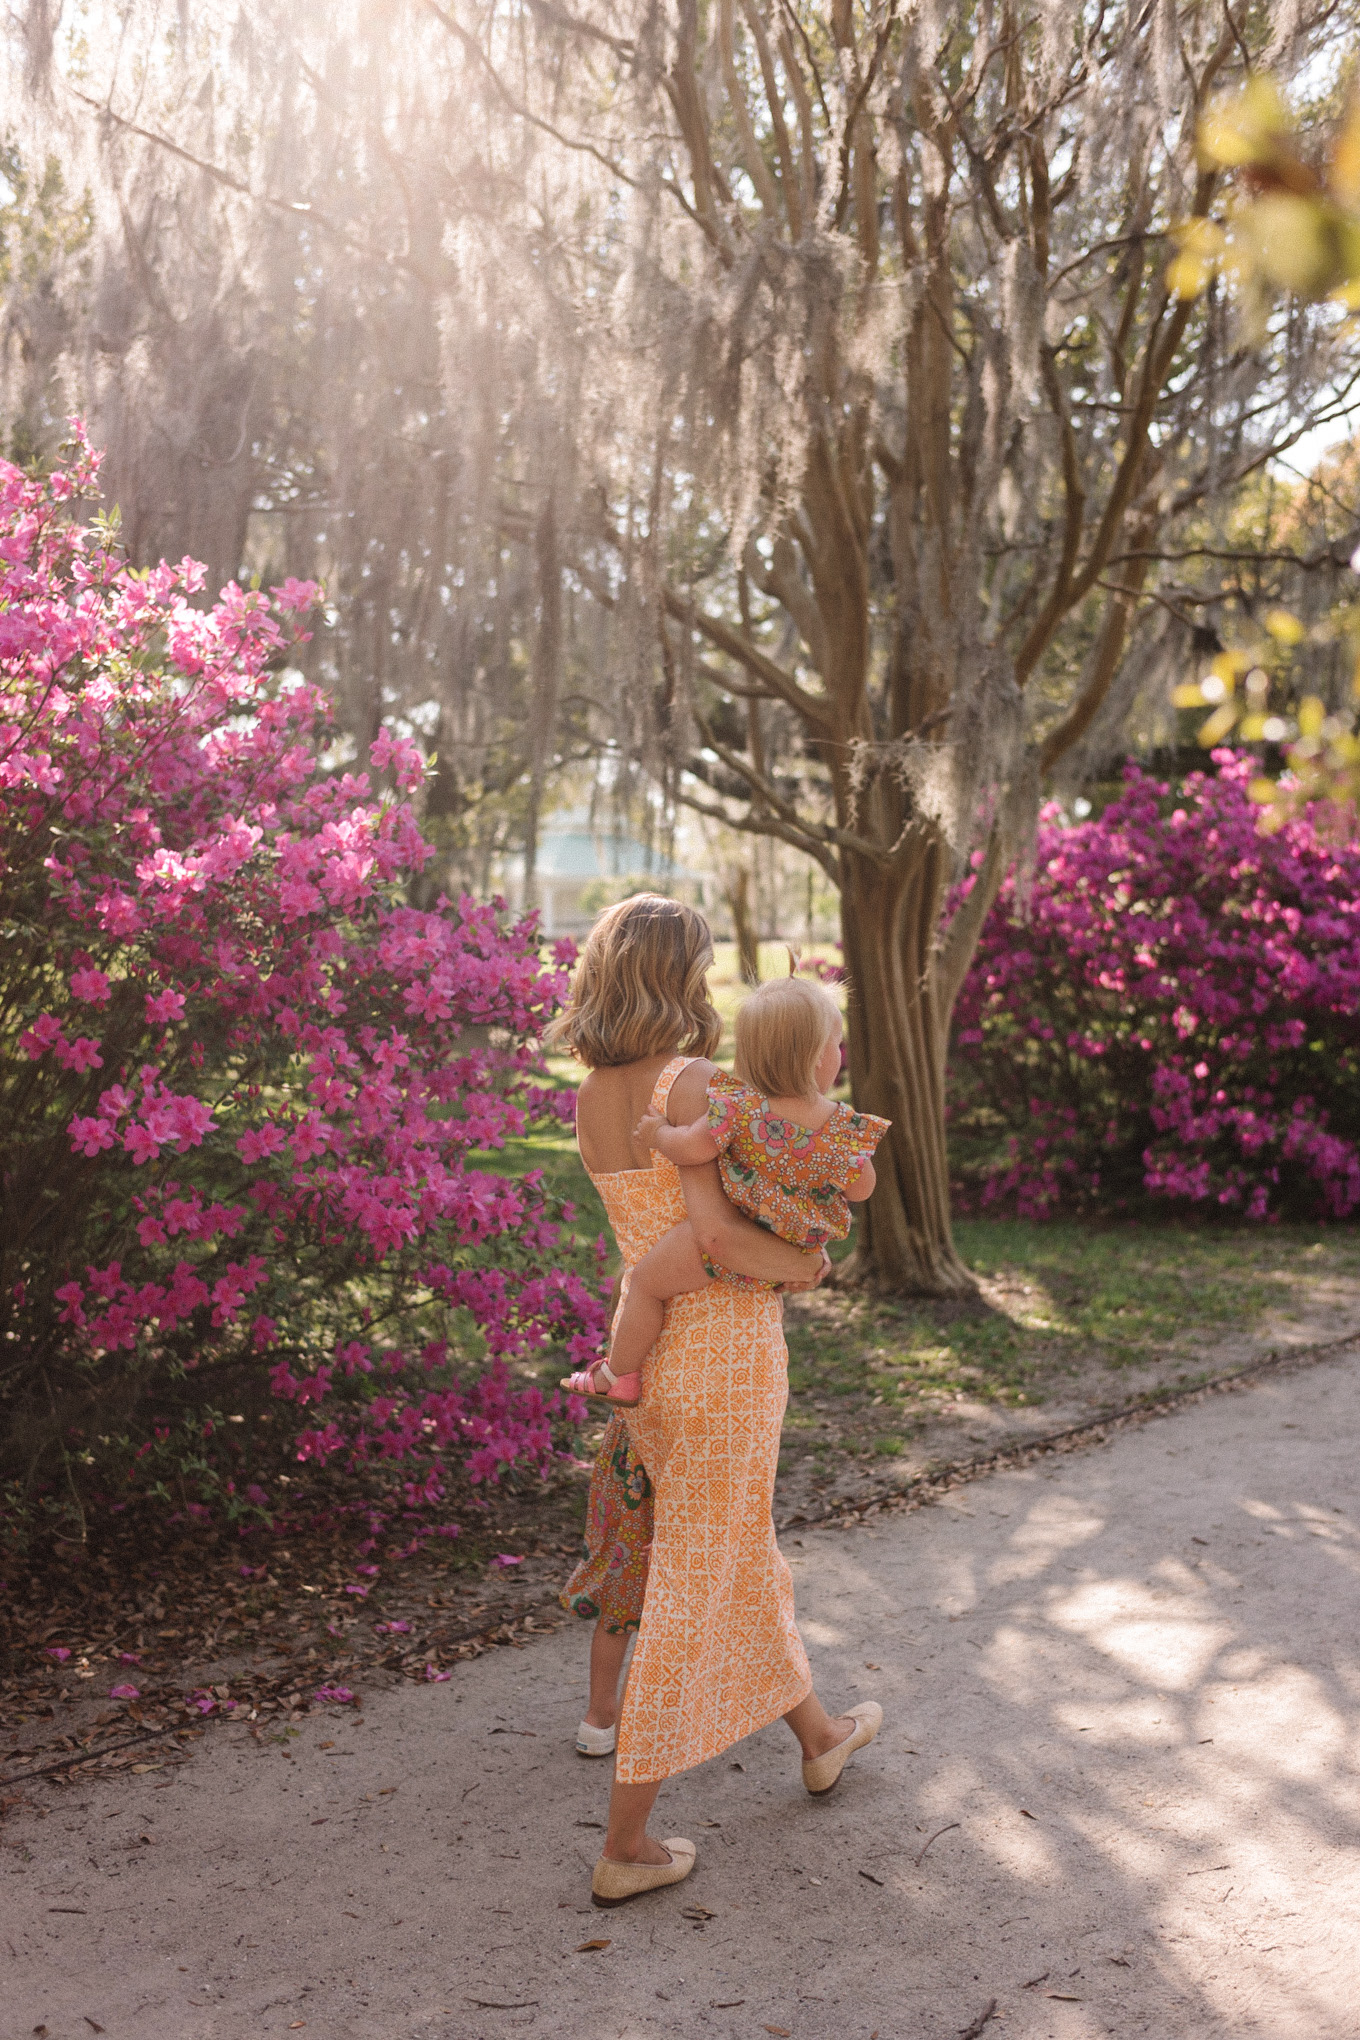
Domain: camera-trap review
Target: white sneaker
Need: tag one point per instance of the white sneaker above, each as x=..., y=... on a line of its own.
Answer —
x=595, y=1742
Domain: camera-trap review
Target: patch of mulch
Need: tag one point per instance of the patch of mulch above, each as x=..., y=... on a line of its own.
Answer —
x=259, y=1631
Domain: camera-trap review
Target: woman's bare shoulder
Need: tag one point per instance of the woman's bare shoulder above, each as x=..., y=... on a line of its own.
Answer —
x=599, y=1090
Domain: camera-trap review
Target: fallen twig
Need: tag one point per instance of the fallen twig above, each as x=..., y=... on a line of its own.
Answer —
x=75, y=1762
x=972, y=2032
x=935, y=1838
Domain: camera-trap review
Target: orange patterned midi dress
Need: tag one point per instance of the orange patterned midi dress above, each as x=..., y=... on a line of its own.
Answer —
x=718, y=1654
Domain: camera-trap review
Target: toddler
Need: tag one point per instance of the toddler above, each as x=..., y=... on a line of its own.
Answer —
x=790, y=1158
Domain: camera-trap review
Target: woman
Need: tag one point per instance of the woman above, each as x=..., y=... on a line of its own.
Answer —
x=718, y=1655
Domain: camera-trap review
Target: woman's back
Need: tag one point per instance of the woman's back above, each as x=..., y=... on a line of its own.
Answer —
x=640, y=1190
x=611, y=1102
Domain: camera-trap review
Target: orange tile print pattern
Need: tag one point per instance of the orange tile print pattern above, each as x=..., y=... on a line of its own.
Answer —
x=718, y=1655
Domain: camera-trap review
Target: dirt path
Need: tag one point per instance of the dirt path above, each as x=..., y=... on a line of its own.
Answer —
x=1118, y=1792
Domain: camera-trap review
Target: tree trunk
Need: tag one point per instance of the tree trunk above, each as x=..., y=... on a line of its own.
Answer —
x=898, y=1042
x=743, y=926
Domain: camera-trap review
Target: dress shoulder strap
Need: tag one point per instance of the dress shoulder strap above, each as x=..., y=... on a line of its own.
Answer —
x=661, y=1090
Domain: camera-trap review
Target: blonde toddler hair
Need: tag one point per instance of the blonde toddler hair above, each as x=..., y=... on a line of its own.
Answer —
x=639, y=988
x=781, y=1030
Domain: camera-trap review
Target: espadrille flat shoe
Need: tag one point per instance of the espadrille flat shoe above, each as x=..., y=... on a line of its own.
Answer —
x=821, y=1773
x=616, y=1883
x=595, y=1742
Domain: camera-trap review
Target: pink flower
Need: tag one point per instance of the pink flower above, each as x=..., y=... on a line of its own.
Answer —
x=90, y=1136
x=164, y=1006
x=506, y=1559
x=79, y=1055
x=436, y=1677
x=37, y=1039
x=129, y=1657
x=295, y=595
x=58, y=1651
x=257, y=1144
x=124, y=1692
x=92, y=986
x=406, y=759
x=141, y=1144
x=335, y=1696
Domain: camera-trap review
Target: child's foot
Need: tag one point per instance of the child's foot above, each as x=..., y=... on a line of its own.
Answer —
x=619, y=1388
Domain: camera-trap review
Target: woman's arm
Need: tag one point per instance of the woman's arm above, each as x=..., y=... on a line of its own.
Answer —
x=737, y=1242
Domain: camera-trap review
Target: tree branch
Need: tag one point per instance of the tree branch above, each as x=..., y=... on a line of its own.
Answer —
x=769, y=825
x=1109, y=649
x=764, y=789
x=737, y=647
x=757, y=169
x=471, y=44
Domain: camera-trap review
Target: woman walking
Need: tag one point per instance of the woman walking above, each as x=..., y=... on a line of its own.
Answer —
x=717, y=1655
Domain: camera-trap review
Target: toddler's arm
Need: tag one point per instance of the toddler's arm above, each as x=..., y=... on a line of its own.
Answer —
x=863, y=1185
x=687, y=1146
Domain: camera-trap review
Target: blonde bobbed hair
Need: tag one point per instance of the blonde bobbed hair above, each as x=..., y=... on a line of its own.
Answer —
x=639, y=988
x=781, y=1031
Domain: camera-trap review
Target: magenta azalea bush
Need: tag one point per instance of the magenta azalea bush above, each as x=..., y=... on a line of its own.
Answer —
x=242, y=1236
x=1178, y=1019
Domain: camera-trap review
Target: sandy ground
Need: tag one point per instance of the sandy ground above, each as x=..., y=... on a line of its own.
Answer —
x=1118, y=1792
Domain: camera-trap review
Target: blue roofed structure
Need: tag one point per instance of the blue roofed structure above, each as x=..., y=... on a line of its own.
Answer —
x=583, y=867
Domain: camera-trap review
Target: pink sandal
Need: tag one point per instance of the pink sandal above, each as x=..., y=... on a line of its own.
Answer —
x=622, y=1388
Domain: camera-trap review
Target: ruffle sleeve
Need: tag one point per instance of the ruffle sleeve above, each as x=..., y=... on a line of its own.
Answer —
x=849, y=1140
x=729, y=1101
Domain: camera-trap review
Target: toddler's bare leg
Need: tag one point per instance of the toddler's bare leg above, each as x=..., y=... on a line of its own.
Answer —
x=674, y=1267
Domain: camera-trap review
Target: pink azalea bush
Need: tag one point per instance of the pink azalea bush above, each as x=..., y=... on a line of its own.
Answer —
x=242, y=1237
x=1177, y=1021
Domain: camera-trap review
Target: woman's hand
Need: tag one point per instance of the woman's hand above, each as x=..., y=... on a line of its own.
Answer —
x=811, y=1281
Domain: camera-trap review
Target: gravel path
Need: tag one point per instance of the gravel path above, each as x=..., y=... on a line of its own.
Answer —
x=1118, y=1792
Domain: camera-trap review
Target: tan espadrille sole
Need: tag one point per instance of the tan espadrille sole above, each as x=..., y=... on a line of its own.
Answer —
x=616, y=1883
x=821, y=1773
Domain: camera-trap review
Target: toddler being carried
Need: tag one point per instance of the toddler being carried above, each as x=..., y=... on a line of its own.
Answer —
x=790, y=1157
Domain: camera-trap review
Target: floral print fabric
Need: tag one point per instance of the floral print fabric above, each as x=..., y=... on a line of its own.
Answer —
x=611, y=1579
x=787, y=1177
